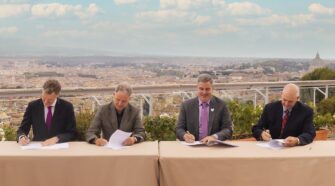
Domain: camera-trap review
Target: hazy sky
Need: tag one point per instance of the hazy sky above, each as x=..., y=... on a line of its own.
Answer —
x=227, y=28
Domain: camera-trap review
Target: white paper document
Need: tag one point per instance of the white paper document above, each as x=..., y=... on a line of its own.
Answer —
x=273, y=144
x=211, y=143
x=117, y=138
x=32, y=146
x=191, y=144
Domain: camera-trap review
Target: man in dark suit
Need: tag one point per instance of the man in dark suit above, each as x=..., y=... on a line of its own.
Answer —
x=204, y=117
x=51, y=118
x=287, y=119
x=118, y=114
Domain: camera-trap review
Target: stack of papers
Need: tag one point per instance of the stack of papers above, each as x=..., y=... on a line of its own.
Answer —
x=117, y=138
x=32, y=146
x=273, y=144
x=211, y=143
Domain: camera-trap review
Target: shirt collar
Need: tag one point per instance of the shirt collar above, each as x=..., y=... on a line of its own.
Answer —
x=289, y=110
x=202, y=102
x=54, y=103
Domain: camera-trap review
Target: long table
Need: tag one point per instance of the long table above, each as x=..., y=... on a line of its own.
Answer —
x=247, y=165
x=81, y=165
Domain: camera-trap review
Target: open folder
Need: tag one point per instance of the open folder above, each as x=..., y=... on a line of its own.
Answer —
x=211, y=143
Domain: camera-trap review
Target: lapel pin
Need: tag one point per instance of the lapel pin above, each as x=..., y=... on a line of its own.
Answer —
x=212, y=109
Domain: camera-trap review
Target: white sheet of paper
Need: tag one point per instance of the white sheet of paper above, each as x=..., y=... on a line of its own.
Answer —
x=32, y=146
x=117, y=138
x=273, y=144
x=191, y=144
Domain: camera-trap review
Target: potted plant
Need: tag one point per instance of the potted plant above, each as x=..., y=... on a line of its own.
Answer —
x=323, y=123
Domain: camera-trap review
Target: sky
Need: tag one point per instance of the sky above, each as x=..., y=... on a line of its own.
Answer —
x=196, y=28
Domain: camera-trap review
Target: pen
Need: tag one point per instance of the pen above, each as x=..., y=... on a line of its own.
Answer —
x=187, y=132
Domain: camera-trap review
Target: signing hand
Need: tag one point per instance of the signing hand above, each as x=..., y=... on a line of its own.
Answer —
x=188, y=137
x=266, y=136
x=24, y=140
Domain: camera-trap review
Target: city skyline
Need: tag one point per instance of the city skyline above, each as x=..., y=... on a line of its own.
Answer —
x=195, y=28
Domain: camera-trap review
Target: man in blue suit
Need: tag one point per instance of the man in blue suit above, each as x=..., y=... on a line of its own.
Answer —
x=287, y=119
x=205, y=117
x=51, y=118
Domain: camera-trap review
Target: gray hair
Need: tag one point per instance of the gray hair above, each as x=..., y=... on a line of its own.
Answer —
x=124, y=88
x=204, y=78
x=52, y=86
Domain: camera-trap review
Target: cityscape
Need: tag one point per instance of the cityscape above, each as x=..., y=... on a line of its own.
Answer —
x=220, y=88
x=101, y=72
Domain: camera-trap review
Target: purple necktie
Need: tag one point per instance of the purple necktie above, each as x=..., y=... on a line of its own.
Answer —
x=203, y=128
x=49, y=117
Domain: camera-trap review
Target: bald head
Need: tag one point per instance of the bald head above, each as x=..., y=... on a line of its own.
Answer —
x=290, y=95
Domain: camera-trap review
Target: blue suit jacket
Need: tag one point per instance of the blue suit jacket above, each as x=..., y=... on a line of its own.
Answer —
x=299, y=123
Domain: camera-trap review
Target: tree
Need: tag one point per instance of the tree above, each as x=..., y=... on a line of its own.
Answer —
x=318, y=74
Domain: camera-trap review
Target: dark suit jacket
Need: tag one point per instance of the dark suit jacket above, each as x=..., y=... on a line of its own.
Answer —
x=106, y=120
x=219, y=122
x=63, y=121
x=299, y=123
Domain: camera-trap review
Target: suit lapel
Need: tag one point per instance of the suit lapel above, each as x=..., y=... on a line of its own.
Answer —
x=195, y=105
x=41, y=116
x=289, y=119
x=113, y=118
x=55, y=115
x=211, y=111
x=280, y=119
x=124, y=120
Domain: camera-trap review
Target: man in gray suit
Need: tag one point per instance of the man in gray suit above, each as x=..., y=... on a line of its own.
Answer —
x=118, y=114
x=205, y=117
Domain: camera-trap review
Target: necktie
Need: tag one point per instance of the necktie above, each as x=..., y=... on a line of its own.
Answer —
x=49, y=117
x=203, y=129
x=284, y=121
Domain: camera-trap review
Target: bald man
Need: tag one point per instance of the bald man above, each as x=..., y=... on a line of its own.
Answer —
x=287, y=119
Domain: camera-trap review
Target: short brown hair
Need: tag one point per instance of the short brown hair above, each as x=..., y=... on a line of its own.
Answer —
x=52, y=86
x=204, y=78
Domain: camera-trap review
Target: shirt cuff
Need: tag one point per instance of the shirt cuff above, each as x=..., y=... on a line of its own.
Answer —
x=215, y=136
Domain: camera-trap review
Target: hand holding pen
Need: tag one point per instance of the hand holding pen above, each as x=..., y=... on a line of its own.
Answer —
x=266, y=136
x=188, y=137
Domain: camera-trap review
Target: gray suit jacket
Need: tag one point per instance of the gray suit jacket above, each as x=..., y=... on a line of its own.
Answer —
x=106, y=120
x=219, y=119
